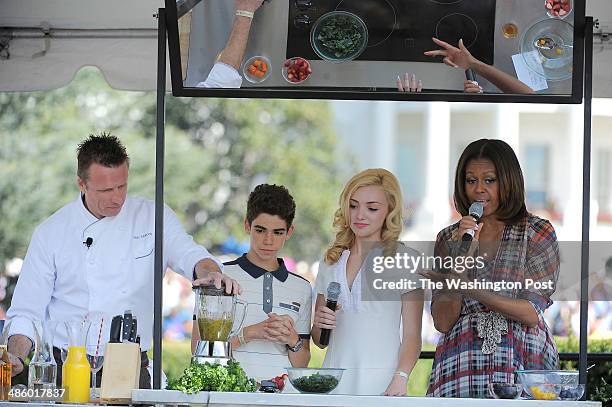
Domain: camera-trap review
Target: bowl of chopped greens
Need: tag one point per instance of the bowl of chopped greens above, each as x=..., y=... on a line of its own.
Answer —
x=339, y=36
x=313, y=380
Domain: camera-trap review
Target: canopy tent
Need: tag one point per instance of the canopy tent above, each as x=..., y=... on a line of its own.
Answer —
x=119, y=37
x=43, y=43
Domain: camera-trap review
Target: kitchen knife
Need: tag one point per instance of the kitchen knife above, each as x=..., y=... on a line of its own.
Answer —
x=115, y=330
x=128, y=322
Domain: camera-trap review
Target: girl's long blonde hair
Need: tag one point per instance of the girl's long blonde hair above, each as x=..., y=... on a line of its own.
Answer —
x=392, y=226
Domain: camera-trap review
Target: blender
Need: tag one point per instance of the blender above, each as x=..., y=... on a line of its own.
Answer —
x=216, y=317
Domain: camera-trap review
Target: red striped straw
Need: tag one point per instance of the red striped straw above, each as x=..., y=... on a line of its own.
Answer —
x=98, y=343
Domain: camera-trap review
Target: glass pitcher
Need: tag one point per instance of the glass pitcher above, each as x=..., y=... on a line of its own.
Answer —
x=75, y=371
x=42, y=371
x=216, y=318
x=216, y=312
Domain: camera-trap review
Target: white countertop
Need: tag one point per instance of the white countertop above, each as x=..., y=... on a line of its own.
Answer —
x=214, y=399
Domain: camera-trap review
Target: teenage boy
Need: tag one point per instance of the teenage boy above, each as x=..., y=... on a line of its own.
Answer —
x=276, y=329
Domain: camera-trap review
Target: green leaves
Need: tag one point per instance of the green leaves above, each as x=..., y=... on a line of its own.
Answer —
x=341, y=36
x=208, y=377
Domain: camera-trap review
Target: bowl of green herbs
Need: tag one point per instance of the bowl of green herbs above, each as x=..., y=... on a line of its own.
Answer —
x=339, y=36
x=314, y=380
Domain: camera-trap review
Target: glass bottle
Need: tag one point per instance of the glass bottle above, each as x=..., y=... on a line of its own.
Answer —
x=5, y=364
x=76, y=369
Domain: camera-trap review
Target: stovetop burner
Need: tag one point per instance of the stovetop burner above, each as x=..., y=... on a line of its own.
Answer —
x=446, y=2
x=456, y=26
x=375, y=13
x=401, y=30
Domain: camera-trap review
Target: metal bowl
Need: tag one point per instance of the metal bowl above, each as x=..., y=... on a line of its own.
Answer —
x=325, y=40
x=313, y=380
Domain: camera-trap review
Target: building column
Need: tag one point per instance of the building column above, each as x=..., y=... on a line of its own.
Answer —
x=434, y=212
x=383, y=134
x=507, y=125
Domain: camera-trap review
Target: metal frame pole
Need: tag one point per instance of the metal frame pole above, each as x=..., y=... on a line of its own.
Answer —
x=586, y=199
x=159, y=198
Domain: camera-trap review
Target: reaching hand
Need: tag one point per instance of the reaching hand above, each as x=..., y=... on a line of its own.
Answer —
x=453, y=56
x=248, y=5
x=215, y=277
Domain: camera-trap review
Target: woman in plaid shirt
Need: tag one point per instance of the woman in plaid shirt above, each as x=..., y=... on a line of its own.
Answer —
x=489, y=334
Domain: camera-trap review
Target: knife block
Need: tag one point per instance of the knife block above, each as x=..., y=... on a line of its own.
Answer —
x=121, y=373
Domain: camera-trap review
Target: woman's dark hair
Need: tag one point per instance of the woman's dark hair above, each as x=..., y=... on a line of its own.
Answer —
x=102, y=149
x=509, y=174
x=271, y=200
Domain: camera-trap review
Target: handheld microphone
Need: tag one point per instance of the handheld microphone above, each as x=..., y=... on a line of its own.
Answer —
x=476, y=210
x=88, y=242
x=469, y=75
x=333, y=293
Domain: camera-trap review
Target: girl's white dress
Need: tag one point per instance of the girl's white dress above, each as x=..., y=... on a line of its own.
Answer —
x=367, y=337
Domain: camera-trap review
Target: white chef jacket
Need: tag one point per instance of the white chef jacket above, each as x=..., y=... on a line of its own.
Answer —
x=62, y=279
x=222, y=75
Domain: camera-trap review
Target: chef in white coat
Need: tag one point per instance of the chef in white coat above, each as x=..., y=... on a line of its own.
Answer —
x=96, y=254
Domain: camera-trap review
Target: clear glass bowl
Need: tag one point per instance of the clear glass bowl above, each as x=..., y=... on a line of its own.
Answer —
x=554, y=64
x=313, y=380
x=505, y=390
x=354, y=23
x=253, y=78
x=288, y=63
x=571, y=392
x=546, y=381
x=550, y=13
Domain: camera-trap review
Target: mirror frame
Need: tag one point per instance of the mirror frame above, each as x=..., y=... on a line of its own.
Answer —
x=176, y=7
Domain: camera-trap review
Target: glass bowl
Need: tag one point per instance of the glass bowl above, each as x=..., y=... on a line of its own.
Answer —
x=554, y=64
x=505, y=390
x=257, y=69
x=313, y=380
x=339, y=36
x=571, y=392
x=546, y=381
x=298, y=64
x=552, y=14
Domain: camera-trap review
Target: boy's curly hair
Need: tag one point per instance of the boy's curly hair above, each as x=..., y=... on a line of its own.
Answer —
x=272, y=200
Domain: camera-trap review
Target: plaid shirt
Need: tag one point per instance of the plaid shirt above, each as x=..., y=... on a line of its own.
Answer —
x=527, y=250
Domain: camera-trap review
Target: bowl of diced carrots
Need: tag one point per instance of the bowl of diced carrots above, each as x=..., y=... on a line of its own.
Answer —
x=257, y=69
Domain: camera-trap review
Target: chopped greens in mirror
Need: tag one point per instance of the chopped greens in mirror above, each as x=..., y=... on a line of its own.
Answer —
x=340, y=36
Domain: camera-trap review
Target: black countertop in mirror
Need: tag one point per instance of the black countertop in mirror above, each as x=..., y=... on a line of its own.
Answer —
x=401, y=30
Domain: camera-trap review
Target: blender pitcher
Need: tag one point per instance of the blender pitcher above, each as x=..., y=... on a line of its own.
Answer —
x=76, y=369
x=216, y=316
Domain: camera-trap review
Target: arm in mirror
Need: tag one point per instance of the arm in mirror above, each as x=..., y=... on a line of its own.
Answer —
x=224, y=73
x=463, y=59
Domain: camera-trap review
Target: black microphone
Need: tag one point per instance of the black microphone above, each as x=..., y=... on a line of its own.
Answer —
x=333, y=293
x=469, y=75
x=88, y=242
x=476, y=210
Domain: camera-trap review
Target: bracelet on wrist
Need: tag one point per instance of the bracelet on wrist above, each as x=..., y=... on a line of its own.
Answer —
x=401, y=373
x=241, y=337
x=245, y=13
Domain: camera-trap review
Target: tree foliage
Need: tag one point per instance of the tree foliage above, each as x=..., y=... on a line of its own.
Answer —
x=217, y=150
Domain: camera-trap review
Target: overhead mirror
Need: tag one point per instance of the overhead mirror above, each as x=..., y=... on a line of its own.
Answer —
x=476, y=50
